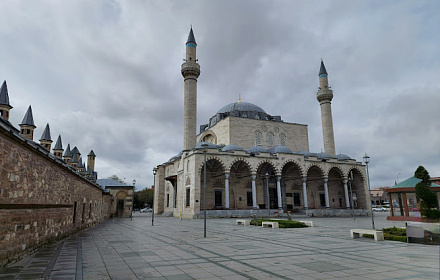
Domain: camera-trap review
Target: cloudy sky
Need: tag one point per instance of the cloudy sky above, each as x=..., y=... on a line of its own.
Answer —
x=106, y=74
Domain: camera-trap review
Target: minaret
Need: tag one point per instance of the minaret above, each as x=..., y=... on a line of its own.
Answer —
x=27, y=125
x=190, y=73
x=91, y=161
x=4, y=102
x=46, y=140
x=325, y=96
x=58, y=149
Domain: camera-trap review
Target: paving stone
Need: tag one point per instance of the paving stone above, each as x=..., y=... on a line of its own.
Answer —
x=173, y=249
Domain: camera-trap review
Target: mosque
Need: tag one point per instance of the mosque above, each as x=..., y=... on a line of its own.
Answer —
x=256, y=163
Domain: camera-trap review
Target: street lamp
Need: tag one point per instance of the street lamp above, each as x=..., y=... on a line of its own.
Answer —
x=397, y=178
x=154, y=191
x=204, y=145
x=267, y=188
x=132, y=200
x=350, y=179
x=367, y=160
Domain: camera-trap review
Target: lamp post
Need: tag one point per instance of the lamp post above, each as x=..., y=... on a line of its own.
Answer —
x=367, y=160
x=204, y=145
x=154, y=192
x=267, y=188
x=132, y=200
x=397, y=178
x=350, y=179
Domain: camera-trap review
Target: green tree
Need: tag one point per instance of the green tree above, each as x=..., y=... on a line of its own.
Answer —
x=143, y=198
x=428, y=198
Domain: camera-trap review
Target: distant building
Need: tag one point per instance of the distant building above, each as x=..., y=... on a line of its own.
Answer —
x=122, y=197
x=379, y=196
x=403, y=199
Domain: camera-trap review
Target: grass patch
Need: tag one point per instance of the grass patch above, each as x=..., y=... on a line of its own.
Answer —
x=282, y=223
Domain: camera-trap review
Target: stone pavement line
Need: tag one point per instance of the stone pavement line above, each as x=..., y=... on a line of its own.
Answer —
x=53, y=260
x=207, y=259
x=330, y=251
x=79, y=272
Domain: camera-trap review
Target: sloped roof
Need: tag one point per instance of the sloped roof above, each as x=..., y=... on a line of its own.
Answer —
x=92, y=154
x=4, y=97
x=28, y=118
x=46, y=133
x=67, y=153
x=411, y=182
x=59, y=144
x=109, y=183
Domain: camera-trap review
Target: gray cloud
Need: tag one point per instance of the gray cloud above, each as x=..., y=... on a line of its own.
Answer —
x=106, y=75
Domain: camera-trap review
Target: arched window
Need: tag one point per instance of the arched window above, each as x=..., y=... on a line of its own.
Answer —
x=283, y=139
x=257, y=137
x=270, y=136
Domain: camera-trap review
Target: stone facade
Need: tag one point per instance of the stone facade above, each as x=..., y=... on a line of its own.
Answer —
x=242, y=132
x=300, y=181
x=256, y=162
x=122, y=201
x=42, y=199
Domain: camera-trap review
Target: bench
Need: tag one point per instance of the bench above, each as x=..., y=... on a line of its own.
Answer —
x=270, y=224
x=308, y=223
x=356, y=233
x=243, y=222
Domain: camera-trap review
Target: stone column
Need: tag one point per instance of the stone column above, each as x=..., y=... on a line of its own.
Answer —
x=254, y=192
x=175, y=194
x=306, y=205
x=227, y=190
x=327, y=202
x=347, y=198
x=280, y=203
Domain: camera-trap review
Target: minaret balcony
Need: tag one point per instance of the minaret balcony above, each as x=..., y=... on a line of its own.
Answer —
x=190, y=69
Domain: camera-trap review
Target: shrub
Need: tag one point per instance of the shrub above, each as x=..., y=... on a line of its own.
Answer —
x=282, y=223
x=432, y=214
x=388, y=236
x=395, y=231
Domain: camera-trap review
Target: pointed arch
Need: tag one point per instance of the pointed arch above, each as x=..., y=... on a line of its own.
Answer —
x=211, y=159
x=295, y=162
x=240, y=159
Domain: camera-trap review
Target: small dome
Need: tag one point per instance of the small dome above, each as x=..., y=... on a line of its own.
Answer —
x=306, y=154
x=231, y=148
x=280, y=149
x=343, y=157
x=256, y=150
x=323, y=156
x=175, y=157
x=240, y=106
x=209, y=145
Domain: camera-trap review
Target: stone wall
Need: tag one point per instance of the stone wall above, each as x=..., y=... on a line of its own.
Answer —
x=41, y=198
x=241, y=132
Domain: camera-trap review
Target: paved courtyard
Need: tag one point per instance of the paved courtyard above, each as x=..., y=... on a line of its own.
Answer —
x=174, y=249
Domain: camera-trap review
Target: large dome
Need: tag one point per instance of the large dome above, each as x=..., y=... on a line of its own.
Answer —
x=241, y=107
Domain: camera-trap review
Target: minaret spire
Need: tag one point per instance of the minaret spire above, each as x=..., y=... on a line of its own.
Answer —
x=190, y=72
x=325, y=96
